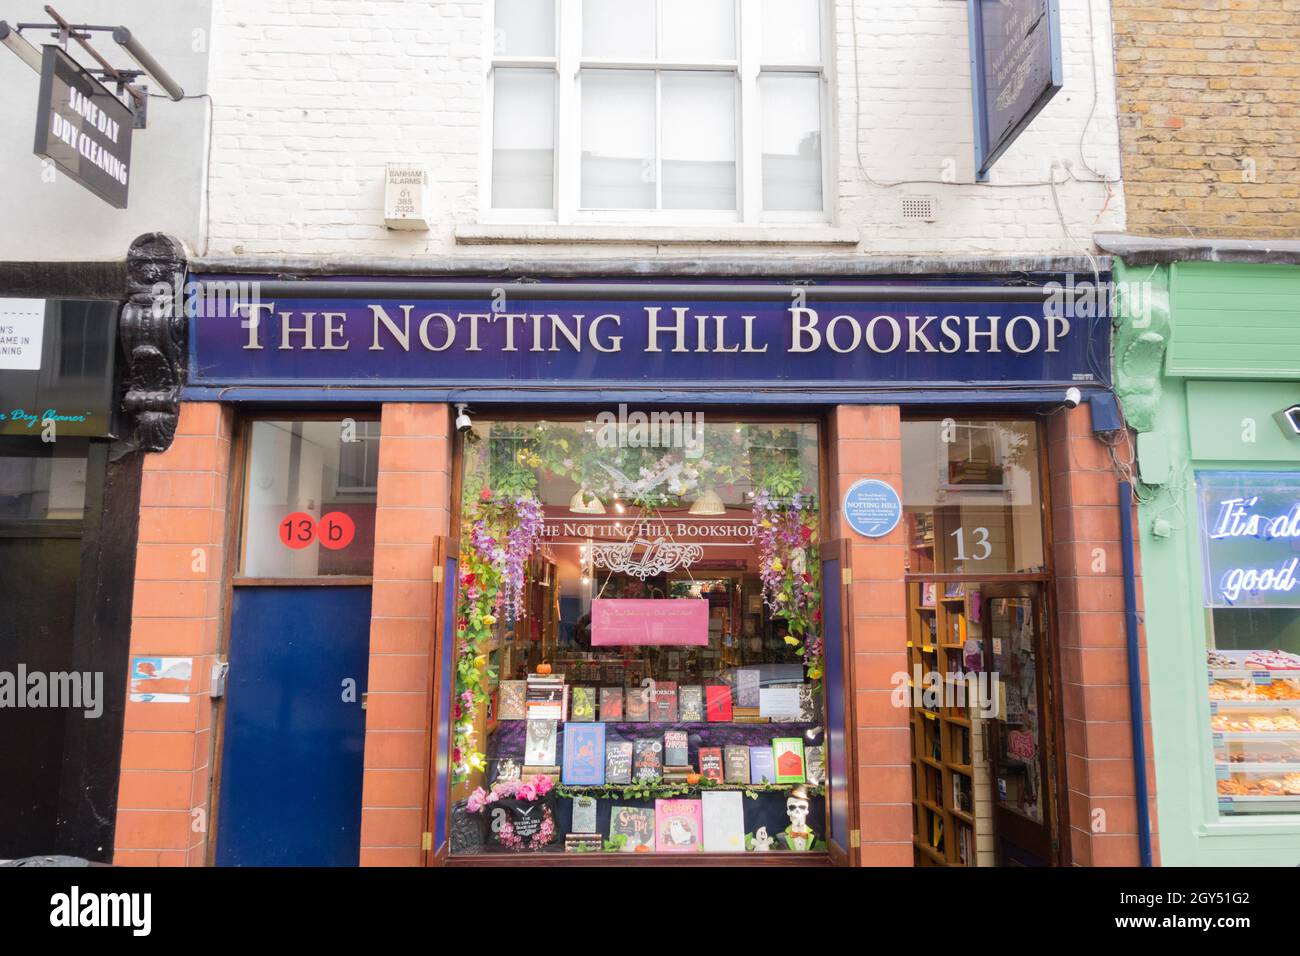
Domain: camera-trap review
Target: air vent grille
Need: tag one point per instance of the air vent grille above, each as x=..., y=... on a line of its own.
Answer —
x=919, y=208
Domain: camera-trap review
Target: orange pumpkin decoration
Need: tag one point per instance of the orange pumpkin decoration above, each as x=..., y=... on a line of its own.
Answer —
x=692, y=778
x=543, y=668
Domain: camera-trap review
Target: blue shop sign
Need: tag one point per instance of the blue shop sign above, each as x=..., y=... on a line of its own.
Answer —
x=1015, y=50
x=872, y=508
x=1250, y=524
x=557, y=335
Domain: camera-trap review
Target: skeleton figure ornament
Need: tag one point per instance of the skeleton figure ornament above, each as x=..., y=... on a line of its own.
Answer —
x=797, y=836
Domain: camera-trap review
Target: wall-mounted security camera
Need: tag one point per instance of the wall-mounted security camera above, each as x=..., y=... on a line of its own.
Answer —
x=463, y=423
x=1288, y=419
x=1073, y=397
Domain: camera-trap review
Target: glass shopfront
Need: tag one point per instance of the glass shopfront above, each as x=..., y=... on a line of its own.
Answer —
x=639, y=641
x=642, y=624
x=1250, y=523
x=982, y=736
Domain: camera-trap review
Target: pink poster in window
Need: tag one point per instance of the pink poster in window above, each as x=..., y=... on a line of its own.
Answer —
x=676, y=621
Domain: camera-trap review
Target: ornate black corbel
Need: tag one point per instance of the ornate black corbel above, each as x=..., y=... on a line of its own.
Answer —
x=153, y=332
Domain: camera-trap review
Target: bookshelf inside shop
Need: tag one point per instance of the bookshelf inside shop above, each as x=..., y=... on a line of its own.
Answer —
x=952, y=811
x=952, y=781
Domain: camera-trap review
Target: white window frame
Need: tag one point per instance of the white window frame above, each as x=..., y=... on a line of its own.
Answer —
x=567, y=66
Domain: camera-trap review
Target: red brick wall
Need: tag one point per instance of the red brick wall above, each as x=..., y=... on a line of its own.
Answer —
x=865, y=441
x=414, y=508
x=1090, y=618
x=163, y=791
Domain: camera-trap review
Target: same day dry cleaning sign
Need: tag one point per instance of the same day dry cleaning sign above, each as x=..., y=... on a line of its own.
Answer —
x=83, y=128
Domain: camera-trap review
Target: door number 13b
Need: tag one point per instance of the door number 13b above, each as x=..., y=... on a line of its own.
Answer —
x=334, y=530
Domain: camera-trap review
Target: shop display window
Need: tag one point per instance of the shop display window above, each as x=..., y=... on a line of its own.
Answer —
x=38, y=485
x=639, y=641
x=309, y=500
x=972, y=497
x=1250, y=528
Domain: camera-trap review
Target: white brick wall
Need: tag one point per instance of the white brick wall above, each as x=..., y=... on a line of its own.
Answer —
x=46, y=215
x=314, y=96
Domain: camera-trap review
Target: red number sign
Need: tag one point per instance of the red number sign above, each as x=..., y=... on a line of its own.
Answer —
x=298, y=530
x=336, y=530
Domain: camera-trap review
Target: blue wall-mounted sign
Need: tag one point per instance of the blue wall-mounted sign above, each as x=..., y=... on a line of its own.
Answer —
x=1250, y=526
x=1015, y=54
x=872, y=507
x=782, y=338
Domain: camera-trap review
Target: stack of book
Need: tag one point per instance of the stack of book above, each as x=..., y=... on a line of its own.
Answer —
x=547, y=697
x=583, y=843
x=677, y=773
x=544, y=771
x=747, y=715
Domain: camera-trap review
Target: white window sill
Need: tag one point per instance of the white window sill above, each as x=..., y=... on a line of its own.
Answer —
x=819, y=234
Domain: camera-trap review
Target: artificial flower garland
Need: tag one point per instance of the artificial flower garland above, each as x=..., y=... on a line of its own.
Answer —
x=785, y=531
x=529, y=791
x=504, y=535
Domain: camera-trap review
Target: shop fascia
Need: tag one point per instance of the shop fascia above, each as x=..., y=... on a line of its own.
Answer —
x=674, y=329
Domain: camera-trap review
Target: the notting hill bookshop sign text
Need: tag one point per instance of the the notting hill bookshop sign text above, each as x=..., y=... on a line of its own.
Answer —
x=766, y=342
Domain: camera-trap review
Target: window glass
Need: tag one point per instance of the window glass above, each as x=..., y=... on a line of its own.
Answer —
x=699, y=29
x=792, y=147
x=309, y=500
x=1250, y=524
x=618, y=29
x=41, y=487
x=618, y=139
x=665, y=623
x=523, y=138
x=791, y=32
x=971, y=497
x=657, y=95
x=699, y=141
x=524, y=28
x=1254, y=669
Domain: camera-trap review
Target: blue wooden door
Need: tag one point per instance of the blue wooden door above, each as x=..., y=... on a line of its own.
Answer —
x=294, y=730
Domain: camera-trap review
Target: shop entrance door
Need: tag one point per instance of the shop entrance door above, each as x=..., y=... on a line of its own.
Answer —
x=839, y=726
x=1021, y=745
x=294, y=731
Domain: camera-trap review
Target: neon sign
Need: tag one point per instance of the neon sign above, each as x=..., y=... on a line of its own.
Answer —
x=1251, y=523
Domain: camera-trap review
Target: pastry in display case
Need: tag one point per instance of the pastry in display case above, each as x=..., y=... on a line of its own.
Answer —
x=1255, y=722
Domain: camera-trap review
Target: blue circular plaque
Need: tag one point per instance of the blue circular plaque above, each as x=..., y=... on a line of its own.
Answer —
x=872, y=508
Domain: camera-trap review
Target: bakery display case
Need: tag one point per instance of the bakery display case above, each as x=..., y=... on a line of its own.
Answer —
x=1255, y=727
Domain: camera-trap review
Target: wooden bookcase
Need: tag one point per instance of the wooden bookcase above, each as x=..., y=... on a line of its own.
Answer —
x=950, y=796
